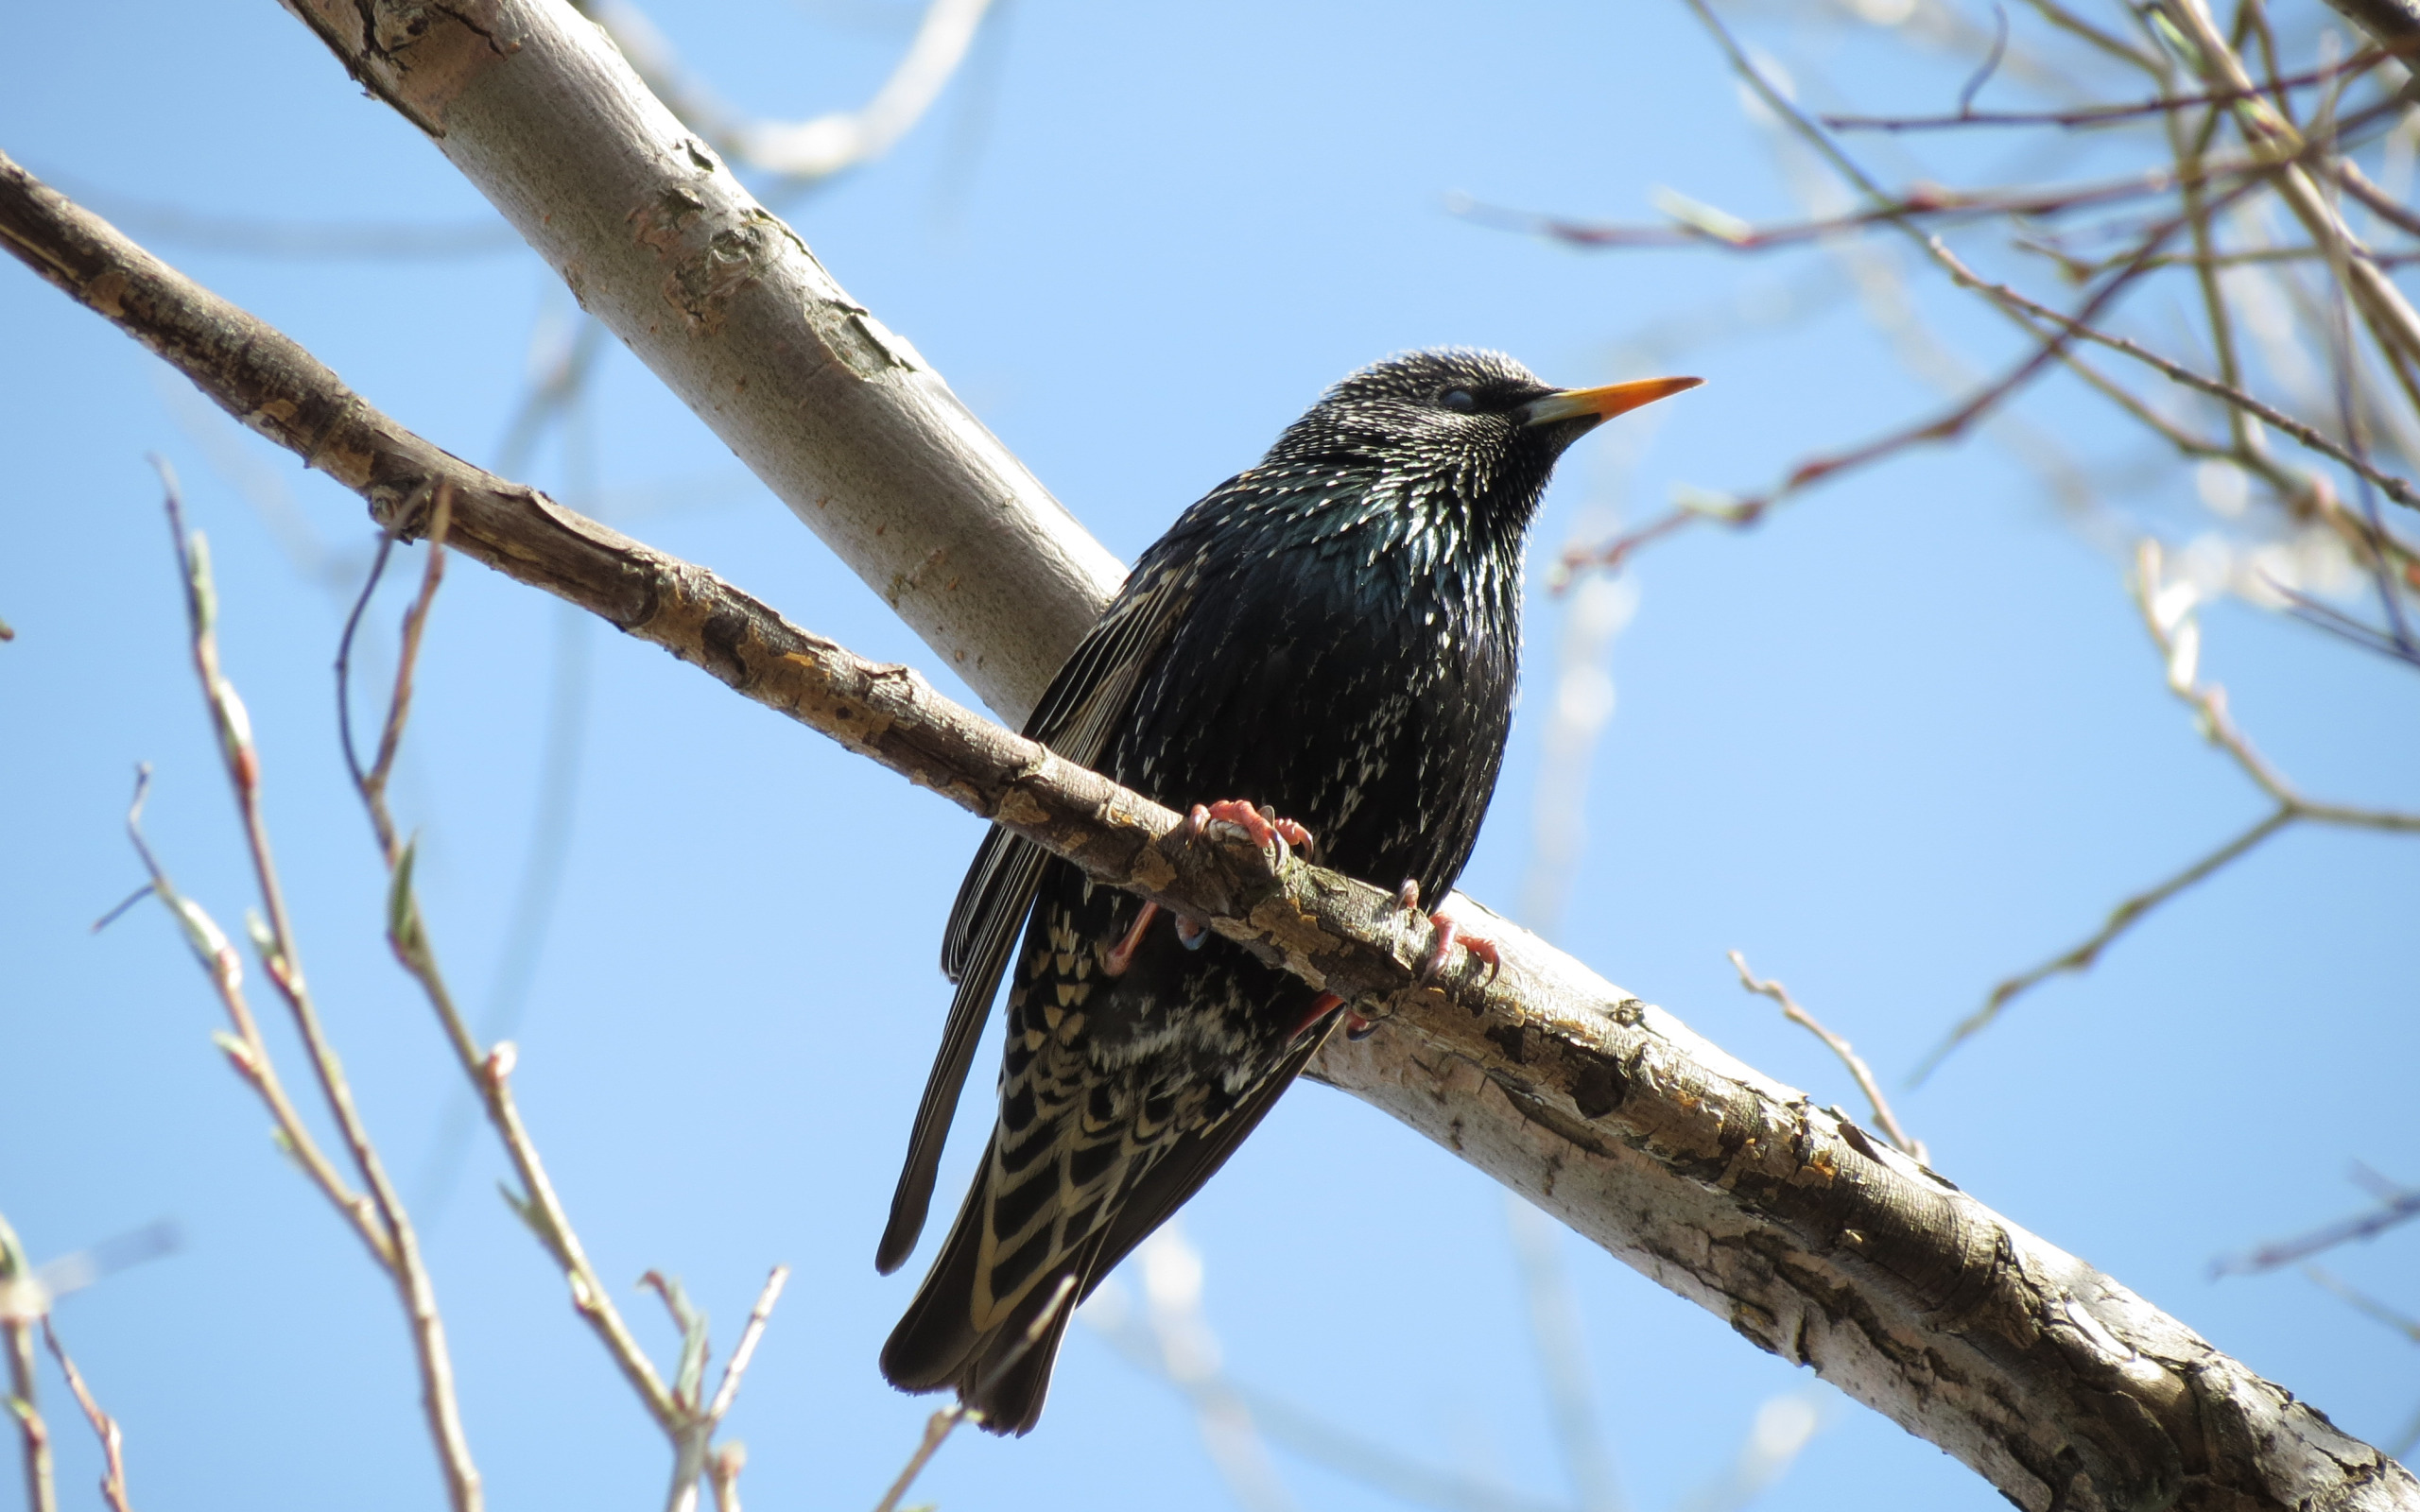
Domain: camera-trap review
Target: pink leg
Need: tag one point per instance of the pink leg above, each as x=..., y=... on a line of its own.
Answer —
x=1321, y=1007
x=1123, y=955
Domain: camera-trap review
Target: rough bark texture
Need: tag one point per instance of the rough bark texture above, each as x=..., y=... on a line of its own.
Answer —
x=836, y=414
x=1813, y=1239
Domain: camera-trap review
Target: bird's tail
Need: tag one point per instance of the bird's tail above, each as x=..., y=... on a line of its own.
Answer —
x=1002, y=1371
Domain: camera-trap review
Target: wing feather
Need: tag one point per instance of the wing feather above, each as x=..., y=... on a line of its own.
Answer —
x=1075, y=719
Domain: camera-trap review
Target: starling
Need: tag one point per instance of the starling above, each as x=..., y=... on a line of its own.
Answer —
x=1331, y=636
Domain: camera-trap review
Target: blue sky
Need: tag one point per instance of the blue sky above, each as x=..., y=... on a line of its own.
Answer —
x=1903, y=739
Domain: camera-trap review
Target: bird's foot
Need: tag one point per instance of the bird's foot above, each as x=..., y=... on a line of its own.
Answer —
x=1450, y=934
x=1325, y=1003
x=1121, y=955
x=1356, y=1026
x=1261, y=824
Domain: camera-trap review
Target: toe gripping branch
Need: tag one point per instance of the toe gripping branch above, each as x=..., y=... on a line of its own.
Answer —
x=1448, y=933
x=1260, y=825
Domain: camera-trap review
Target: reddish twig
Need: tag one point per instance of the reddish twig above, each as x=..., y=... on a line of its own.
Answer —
x=104, y=1426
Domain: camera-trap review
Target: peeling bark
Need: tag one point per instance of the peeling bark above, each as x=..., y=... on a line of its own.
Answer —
x=1817, y=1241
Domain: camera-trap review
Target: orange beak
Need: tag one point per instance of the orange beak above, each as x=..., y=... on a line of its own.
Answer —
x=1602, y=403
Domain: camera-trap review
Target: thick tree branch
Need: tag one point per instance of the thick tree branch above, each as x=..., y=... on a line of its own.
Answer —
x=1815, y=1240
x=838, y=415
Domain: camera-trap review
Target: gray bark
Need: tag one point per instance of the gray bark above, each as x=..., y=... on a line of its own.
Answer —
x=836, y=413
x=1814, y=1240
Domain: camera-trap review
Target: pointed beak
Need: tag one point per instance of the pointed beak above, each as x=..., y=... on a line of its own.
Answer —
x=1599, y=405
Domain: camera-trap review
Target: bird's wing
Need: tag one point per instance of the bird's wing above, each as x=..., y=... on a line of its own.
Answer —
x=1074, y=719
x=1081, y=1167
x=1171, y=1183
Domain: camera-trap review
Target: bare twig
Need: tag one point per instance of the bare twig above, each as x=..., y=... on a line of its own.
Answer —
x=939, y=1427
x=2394, y=1207
x=2103, y=114
x=371, y=784
x=2363, y=1303
x=1858, y=1069
x=104, y=1426
x=1555, y=1331
x=245, y=1050
x=1322, y=1440
x=744, y=1350
x=17, y=1335
x=488, y=1070
x=1695, y=225
x=2317, y=440
x=1991, y=63
x=803, y=151
x=2168, y=614
x=273, y=940
x=677, y=1409
x=695, y=1454
x=2080, y=957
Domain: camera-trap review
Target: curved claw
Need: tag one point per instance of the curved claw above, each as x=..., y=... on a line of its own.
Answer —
x=1449, y=933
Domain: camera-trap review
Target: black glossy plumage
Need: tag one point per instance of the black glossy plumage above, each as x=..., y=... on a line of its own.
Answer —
x=1334, y=633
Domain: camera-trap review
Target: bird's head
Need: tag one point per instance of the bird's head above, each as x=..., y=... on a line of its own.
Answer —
x=1475, y=429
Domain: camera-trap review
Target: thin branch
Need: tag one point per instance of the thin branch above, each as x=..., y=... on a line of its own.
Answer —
x=2391, y=317
x=728, y=1391
x=245, y=1050
x=2317, y=440
x=2116, y=46
x=373, y=783
x=490, y=1070
x=1556, y=1333
x=1696, y=225
x=2393, y=1208
x=676, y=1408
x=2168, y=614
x=2081, y=958
x=694, y=1454
x=344, y=659
x=939, y=1427
x=2376, y=200
x=803, y=152
x=1858, y=1069
x=2337, y=623
x=104, y=1426
x=16, y=1334
x=1903, y=213
x=2103, y=114
x=273, y=940
x=2364, y=1303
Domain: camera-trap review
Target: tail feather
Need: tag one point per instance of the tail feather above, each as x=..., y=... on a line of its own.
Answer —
x=1002, y=1372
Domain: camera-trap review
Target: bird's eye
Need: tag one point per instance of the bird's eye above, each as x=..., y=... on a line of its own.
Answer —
x=1456, y=399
